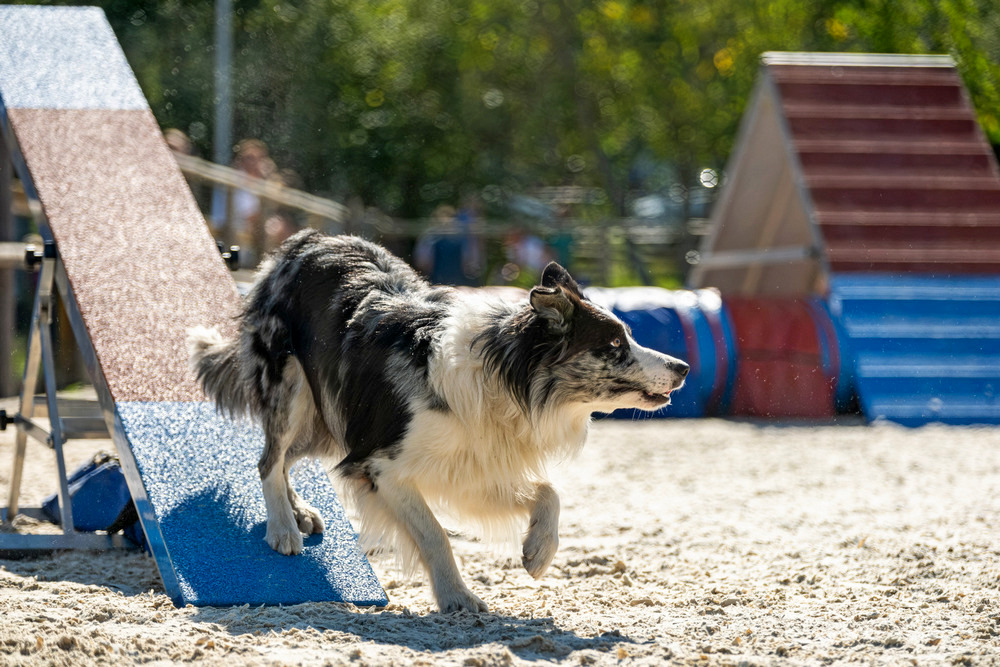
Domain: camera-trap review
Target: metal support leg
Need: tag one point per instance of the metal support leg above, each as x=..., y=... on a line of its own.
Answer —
x=49, y=370
x=27, y=406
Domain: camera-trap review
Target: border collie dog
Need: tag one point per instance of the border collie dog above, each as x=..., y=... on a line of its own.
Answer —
x=427, y=396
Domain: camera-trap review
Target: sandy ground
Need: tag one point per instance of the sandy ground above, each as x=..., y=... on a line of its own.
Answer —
x=688, y=542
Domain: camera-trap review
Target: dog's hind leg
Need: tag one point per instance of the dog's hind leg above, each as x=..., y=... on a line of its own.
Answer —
x=288, y=515
x=287, y=432
x=542, y=540
x=407, y=507
x=282, y=527
x=304, y=421
x=306, y=516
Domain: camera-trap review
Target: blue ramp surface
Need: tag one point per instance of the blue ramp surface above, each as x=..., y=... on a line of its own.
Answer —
x=203, y=492
x=925, y=349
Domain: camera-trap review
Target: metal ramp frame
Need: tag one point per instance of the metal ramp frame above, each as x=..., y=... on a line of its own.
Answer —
x=40, y=356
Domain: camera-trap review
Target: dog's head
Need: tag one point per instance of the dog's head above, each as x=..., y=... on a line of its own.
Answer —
x=563, y=348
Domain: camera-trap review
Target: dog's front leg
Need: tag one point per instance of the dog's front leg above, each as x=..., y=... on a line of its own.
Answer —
x=542, y=540
x=409, y=508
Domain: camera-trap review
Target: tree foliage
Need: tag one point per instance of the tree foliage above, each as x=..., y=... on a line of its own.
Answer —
x=409, y=103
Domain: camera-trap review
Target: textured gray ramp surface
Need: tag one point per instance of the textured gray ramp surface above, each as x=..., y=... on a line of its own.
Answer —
x=64, y=58
x=204, y=494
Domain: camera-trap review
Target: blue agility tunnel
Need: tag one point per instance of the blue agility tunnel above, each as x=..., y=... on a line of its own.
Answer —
x=910, y=349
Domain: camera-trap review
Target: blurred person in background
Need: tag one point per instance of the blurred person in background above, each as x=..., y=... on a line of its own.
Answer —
x=444, y=253
x=526, y=255
x=177, y=141
x=252, y=158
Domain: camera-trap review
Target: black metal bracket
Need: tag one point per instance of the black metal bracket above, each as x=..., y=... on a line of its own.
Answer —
x=6, y=420
x=230, y=256
x=33, y=256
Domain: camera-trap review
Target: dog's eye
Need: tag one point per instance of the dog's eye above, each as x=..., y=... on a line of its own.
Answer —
x=617, y=342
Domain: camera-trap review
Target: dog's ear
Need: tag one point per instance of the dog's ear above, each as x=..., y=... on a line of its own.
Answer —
x=553, y=305
x=555, y=275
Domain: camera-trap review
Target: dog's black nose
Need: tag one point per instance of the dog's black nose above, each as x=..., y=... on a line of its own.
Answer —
x=680, y=368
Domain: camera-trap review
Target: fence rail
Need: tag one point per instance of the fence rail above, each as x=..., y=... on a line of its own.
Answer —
x=275, y=192
x=598, y=246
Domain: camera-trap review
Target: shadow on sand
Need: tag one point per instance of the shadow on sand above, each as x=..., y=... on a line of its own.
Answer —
x=132, y=573
x=529, y=638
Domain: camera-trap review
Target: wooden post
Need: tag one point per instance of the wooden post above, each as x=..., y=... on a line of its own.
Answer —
x=258, y=228
x=228, y=230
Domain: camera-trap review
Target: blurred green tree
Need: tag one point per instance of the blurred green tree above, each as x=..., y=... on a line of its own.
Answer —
x=409, y=103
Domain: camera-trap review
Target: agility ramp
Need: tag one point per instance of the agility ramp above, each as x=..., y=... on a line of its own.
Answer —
x=853, y=163
x=131, y=258
x=866, y=180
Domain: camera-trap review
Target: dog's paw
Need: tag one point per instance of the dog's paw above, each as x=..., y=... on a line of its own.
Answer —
x=539, y=549
x=308, y=519
x=460, y=599
x=283, y=540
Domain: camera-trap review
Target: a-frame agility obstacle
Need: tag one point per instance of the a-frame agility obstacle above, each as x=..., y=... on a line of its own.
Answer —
x=131, y=258
x=865, y=180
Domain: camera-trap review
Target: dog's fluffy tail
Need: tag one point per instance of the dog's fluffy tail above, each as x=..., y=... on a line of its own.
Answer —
x=215, y=362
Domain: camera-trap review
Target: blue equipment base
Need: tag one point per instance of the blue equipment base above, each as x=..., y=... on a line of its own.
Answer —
x=99, y=494
x=925, y=348
x=202, y=509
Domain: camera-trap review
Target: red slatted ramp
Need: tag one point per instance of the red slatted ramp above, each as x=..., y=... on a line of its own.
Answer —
x=854, y=163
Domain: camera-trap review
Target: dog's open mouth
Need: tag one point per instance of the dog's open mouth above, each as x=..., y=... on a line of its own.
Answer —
x=657, y=398
x=650, y=400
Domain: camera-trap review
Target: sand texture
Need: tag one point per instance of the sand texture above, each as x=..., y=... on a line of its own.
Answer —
x=683, y=542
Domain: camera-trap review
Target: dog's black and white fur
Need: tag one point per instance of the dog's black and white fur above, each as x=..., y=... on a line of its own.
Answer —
x=427, y=396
